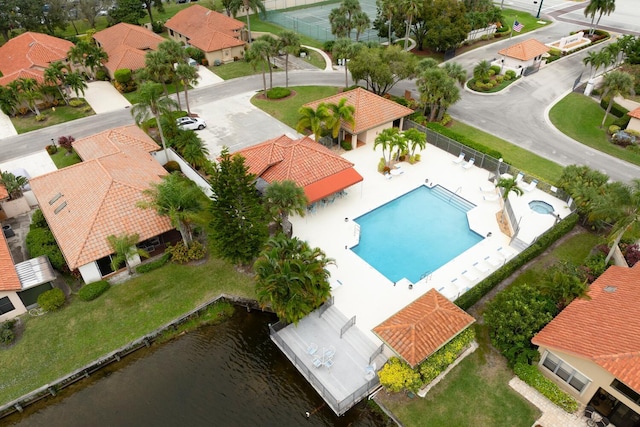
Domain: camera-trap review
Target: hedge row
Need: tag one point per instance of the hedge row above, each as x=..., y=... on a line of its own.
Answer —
x=153, y=265
x=474, y=294
x=616, y=109
x=437, y=127
x=532, y=376
x=93, y=290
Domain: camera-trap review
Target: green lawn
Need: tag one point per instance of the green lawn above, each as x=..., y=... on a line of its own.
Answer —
x=235, y=69
x=579, y=117
x=518, y=157
x=62, y=114
x=61, y=342
x=62, y=160
x=286, y=110
x=529, y=21
x=472, y=394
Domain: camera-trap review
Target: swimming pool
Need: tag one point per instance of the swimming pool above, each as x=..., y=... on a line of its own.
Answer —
x=415, y=234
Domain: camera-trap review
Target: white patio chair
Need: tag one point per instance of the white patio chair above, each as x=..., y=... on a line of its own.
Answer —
x=459, y=159
x=491, y=197
x=532, y=185
x=469, y=276
x=488, y=188
x=481, y=267
x=469, y=163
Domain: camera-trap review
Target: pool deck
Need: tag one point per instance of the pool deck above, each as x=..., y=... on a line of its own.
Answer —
x=358, y=289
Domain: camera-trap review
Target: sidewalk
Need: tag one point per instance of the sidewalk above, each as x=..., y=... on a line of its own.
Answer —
x=552, y=416
x=6, y=127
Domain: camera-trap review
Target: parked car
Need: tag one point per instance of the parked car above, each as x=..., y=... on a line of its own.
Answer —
x=191, y=123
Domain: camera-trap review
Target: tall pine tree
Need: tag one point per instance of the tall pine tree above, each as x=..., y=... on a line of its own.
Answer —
x=239, y=225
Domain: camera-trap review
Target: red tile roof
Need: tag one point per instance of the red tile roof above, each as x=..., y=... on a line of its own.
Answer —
x=371, y=110
x=605, y=328
x=525, y=51
x=9, y=280
x=635, y=113
x=113, y=141
x=30, y=51
x=206, y=29
x=422, y=327
x=312, y=166
x=101, y=197
x=126, y=45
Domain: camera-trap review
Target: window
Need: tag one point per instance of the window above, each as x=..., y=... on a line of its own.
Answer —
x=565, y=372
x=5, y=305
x=626, y=390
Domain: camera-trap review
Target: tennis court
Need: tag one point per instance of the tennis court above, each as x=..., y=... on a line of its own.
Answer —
x=314, y=21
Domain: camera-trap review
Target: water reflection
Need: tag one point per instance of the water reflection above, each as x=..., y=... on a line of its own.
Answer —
x=225, y=375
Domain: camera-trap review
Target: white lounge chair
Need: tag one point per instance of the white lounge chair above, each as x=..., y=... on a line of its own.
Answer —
x=519, y=177
x=488, y=188
x=495, y=262
x=491, y=197
x=532, y=185
x=469, y=276
x=481, y=267
x=459, y=159
x=469, y=163
x=506, y=253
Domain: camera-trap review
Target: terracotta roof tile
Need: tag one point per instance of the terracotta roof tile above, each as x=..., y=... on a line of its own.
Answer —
x=101, y=197
x=31, y=50
x=635, y=113
x=371, y=110
x=525, y=51
x=206, y=29
x=126, y=45
x=422, y=327
x=9, y=280
x=604, y=329
x=302, y=161
x=113, y=141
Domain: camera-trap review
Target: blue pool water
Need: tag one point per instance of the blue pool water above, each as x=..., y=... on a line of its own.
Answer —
x=415, y=234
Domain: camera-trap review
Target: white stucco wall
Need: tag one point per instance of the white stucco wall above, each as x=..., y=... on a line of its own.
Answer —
x=90, y=272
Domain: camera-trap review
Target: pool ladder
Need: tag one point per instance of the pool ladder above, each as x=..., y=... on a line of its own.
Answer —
x=455, y=192
x=427, y=275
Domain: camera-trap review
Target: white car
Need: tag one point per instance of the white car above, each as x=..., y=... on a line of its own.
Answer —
x=191, y=123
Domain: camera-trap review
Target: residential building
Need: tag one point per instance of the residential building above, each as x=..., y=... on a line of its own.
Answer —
x=592, y=348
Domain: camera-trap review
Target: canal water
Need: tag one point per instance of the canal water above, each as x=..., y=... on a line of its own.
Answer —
x=229, y=374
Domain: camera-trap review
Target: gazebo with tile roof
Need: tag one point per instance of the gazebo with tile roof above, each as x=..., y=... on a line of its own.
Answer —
x=424, y=326
x=220, y=37
x=592, y=348
x=312, y=166
x=28, y=54
x=126, y=45
x=521, y=56
x=373, y=113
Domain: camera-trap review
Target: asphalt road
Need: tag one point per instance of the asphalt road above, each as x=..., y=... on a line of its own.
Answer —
x=517, y=115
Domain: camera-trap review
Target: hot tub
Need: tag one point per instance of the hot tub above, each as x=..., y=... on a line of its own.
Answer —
x=541, y=207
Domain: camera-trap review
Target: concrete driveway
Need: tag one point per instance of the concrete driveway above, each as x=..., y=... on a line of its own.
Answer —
x=207, y=77
x=6, y=127
x=104, y=98
x=234, y=122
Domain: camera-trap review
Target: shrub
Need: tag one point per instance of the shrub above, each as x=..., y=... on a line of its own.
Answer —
x=93, y=290
x=181, y=254
x=499, y=79
x=446, y=119
x=346, y=145
x=631, y=253
x=510, y=74
x=66, y=142
x=123, y=75
x=396, y=376
x=616, y=109
x=40, y=241
x=278, y=93
x=76, y=102
x=437, y=127
x=172, y=166
x=613, y=129
x=6, y=332
x=328, y=45
x=51, y=149
x=41, y=118
x=532, y=376
x=51, y=300
x=195, y=53
x=153, y=265
x=495, y=68
x=435, y=364
x=623, y=138
x=38, y=220
x=381, y=164
x=102, y=75
x=157, y=27
x=474, y=294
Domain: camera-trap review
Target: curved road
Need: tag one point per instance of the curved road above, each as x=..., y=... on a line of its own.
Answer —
x=517, y=115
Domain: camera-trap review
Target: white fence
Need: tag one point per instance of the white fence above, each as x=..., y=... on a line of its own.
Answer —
x=187, y=170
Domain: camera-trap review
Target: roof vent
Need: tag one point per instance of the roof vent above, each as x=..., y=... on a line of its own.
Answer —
x=610, y=289
x=59, y=208
x=55, y=199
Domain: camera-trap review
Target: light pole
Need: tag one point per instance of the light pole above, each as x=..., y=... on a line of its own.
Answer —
x=539, y=8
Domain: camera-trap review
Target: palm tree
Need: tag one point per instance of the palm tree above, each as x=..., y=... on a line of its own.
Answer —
x=621, y=205
x=54, y=75
x=76, y=83
x=415, y=139
x=388, y=8
x=592, y=59
x=290, y=42
x=158, y=68
x=614, y=84
x=508, y=186
x=456, y=72
x=314, y=120
x=177, y=198
x=437, y=91
x=339, y=24
x=284, y=198
x=269, y=50
x=345, y=49
x=387, y=140
x=291, y=278
x=124, y=248
x=361, y=23
x=152, y=102
x=601, y=6
x=340, y=112
x=29, y=91
x=411, y=9
x=187, y=76
x=481, y=71
x=13, y=184
x=195, y=152
x=8, y=100
x=257, y=56
x=247, y=5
